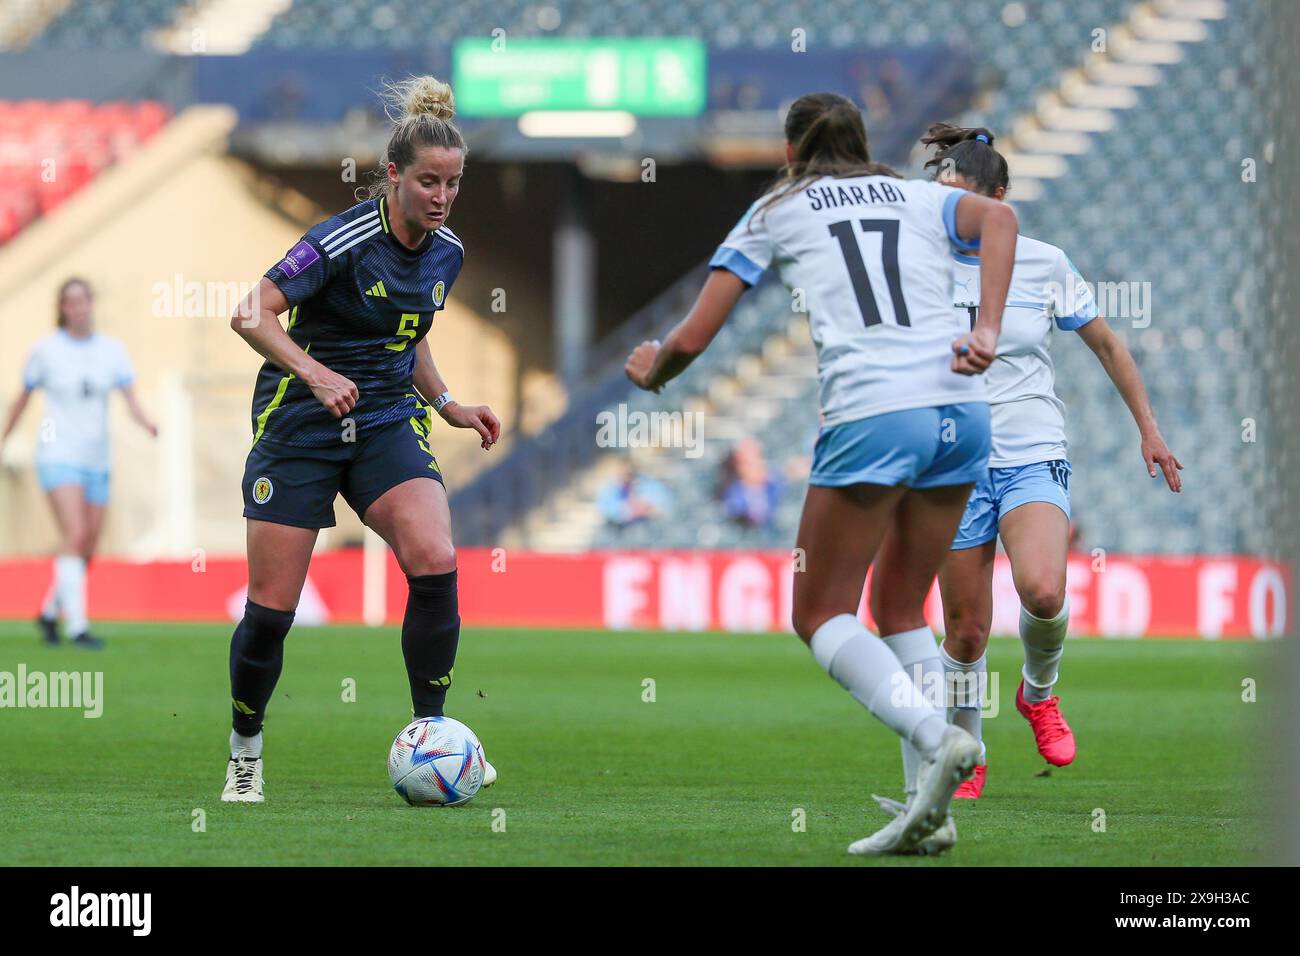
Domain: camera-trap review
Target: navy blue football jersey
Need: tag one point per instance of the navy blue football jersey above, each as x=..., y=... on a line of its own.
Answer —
x=359, y=302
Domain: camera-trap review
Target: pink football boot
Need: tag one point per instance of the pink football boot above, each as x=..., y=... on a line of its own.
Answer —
x=973, y=786
x=1052, y=734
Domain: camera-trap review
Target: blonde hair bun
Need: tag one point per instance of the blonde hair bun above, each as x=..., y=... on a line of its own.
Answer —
x=419, y=96
x=420, y=109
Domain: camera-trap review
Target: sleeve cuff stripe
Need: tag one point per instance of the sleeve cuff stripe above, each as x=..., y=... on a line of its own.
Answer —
x=1068, y=323
x=748, y=271
x=950, y=220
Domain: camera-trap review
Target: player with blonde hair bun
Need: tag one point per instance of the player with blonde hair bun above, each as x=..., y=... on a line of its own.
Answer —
x=344, y=403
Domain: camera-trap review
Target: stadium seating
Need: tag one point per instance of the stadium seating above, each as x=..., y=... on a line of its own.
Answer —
x=106, y=24
x=1018, y=51
x=1025, y=42
x=1201, y=353
x=1205, y=355
x=49, y=150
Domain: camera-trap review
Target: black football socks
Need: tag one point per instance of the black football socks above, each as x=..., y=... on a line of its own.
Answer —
x=430, y=633
x=256, y=659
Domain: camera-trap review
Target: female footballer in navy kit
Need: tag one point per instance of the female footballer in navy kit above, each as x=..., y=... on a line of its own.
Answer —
x=340, y=408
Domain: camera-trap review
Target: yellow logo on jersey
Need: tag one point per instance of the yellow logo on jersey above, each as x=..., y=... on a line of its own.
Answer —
x=439, y=292
x=378, y=290
x=262, y=490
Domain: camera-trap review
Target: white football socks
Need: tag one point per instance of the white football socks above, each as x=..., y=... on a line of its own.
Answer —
x=862, y=664
x=50, y=606
x=70, y=583
x=965, y=682
x=1043, y=640
x=241, y=746
x=917, y=651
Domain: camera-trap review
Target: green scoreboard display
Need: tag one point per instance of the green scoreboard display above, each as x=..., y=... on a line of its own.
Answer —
x=642, y=76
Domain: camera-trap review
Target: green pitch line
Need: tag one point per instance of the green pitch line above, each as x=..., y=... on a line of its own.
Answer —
x=743, y=733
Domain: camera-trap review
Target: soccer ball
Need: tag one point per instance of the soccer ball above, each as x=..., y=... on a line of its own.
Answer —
x=436, y=762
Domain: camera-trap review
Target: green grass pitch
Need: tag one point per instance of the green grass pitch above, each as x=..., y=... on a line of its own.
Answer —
x=743, y=733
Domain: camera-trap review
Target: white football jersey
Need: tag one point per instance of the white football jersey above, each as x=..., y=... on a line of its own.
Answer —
x=77, y=375
x=1028, y=419
x=871, y=257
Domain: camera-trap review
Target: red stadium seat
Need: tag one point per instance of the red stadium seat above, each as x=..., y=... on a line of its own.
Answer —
x=79, y=137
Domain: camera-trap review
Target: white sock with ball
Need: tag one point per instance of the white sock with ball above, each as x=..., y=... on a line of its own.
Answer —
x=864, y=666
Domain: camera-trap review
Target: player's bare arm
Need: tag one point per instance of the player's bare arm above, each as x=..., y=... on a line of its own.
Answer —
x=995, y=225
x=651, y=365
x=138, y=414
x=15, y=413
x=1118, y=362
x=429, y=383
x=257, y=320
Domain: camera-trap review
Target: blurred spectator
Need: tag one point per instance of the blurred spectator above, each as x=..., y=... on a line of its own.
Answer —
x=797, y=468
x=632, y=498
x=749, y=491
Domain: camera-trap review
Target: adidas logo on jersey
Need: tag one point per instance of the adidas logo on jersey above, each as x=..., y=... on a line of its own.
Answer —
x=378, y=290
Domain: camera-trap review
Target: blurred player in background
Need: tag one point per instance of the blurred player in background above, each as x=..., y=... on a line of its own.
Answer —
x=340, y=407
x=77, y=368
x=905, y=432
x=1025, y=495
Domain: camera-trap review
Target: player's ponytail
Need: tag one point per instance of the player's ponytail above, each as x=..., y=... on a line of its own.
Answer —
x=967, y=152
x=829, y=139
x=421, y=109
x=61, y=320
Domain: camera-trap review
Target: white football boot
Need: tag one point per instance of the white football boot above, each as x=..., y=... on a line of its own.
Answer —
x=489, y=770
x=243, y=780
x=952, y=762
x=939, y=841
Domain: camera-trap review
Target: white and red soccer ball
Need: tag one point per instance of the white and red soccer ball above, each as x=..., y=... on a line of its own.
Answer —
x=436, y=762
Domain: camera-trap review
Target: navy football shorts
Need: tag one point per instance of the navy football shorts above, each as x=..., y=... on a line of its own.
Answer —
x=285, y=484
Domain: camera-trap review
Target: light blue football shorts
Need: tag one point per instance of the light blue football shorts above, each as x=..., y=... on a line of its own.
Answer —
x=93, y=482
x=916, y=447
x=1003, y=490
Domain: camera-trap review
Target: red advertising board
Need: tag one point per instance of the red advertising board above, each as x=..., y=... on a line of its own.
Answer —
x=1110, y=596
